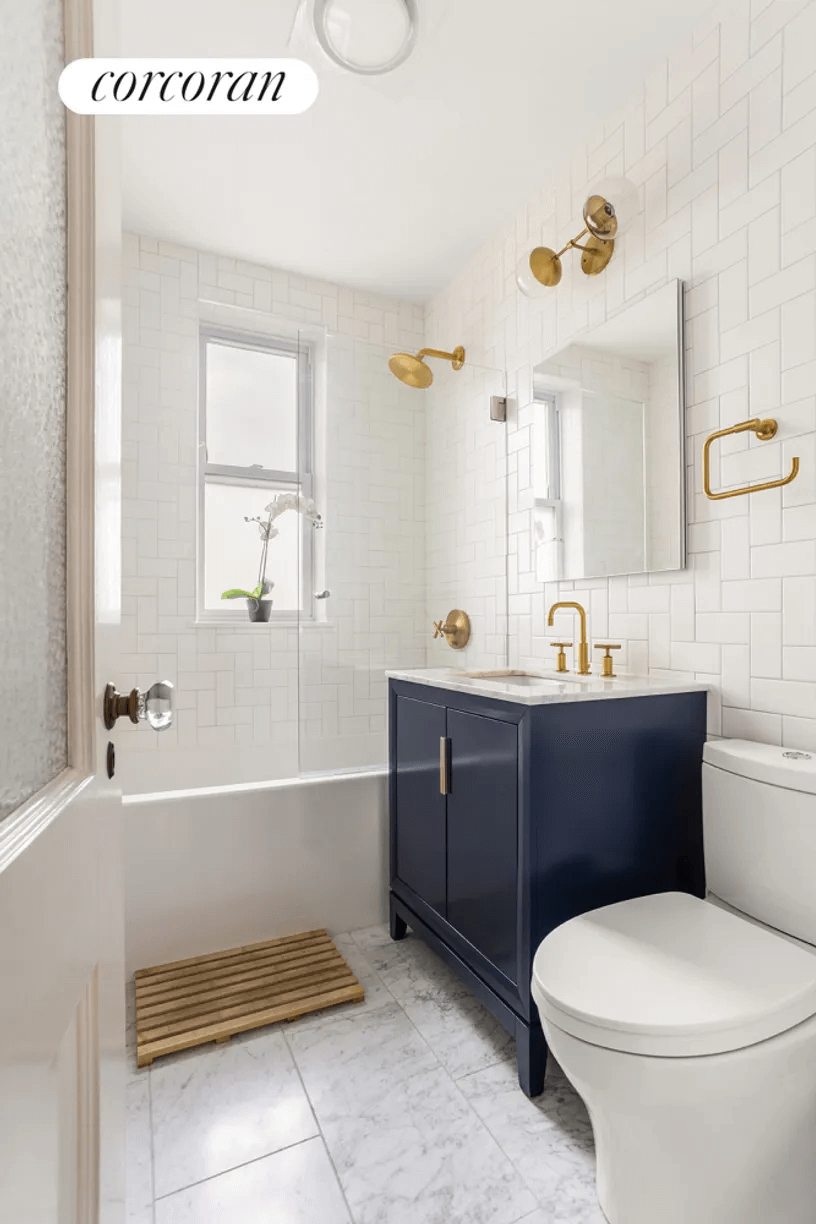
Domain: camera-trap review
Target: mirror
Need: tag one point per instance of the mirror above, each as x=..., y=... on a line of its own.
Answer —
x=608, y=447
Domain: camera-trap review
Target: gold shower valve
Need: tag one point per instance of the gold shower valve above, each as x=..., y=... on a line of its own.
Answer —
x=456, y=629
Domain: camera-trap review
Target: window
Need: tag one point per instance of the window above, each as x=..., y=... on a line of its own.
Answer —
x=256, y=410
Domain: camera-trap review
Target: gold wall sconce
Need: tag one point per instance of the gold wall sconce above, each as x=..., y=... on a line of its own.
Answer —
x=456, y=629
x=415, y=372
x=608, y=212
x=764, y=430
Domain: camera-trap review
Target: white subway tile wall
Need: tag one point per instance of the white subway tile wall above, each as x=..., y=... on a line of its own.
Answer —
x=721, y=139
x=250, y=697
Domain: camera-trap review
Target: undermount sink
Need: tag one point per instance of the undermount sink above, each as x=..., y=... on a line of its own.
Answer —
x=524, y=679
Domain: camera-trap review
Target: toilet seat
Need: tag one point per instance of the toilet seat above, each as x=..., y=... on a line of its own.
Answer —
x=671, y=976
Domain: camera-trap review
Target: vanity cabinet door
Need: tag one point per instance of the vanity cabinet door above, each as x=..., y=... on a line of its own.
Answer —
x=483, y=836
x=420, y=805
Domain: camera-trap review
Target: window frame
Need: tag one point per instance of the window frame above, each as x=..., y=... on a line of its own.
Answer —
x=299, y=481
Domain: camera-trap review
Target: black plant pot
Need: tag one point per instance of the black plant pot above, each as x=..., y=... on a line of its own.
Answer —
x=259, y=610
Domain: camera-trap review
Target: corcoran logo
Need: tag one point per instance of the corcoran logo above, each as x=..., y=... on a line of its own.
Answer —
x=188, y=87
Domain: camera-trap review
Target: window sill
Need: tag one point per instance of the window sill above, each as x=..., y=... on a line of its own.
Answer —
x=248, y=626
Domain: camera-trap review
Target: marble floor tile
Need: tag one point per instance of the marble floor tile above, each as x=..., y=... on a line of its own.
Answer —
x=138, y=1153
x=293, y=1186
x=541, y=1216
x=219, y=1107
x=549, y=1139
x=378, y=946
x=405, y=1142
x=460, y=1029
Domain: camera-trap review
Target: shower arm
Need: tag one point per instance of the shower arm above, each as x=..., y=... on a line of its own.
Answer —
x=428, y=352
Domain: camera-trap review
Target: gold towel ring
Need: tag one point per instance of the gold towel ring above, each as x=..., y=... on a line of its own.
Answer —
x=764, y=430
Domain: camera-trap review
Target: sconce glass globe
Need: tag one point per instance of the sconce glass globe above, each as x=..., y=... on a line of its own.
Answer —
x=611, y=207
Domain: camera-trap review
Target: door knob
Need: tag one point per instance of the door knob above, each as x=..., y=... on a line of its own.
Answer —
x=154, y=707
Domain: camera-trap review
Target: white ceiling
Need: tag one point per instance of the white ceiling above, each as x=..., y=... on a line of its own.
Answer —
x=387, y=183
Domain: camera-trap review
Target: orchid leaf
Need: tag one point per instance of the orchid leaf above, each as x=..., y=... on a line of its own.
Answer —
x=236, y=593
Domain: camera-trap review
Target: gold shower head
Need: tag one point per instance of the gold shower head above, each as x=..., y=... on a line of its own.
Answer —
x=414, y=372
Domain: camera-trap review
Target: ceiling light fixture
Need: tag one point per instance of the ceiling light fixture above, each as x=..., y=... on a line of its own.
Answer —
x=608, y=213
x=368, y=37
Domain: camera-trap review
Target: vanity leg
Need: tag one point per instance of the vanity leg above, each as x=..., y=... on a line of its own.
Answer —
x=399, y=926
x=531, y=1058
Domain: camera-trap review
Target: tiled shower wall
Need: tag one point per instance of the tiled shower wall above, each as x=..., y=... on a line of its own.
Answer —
x=721, y=141
x=250, y=696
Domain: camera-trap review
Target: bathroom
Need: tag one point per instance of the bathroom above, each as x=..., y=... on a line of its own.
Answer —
x=553, y=446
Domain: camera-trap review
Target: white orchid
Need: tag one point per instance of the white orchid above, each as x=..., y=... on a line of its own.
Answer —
x=280, y=503
x=294, y=501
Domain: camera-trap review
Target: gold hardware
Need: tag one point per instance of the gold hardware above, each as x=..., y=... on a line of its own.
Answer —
x=444, y=765
x=583, y=649
x=546, y=267
x=606, y=661
x=764, y=430
x=415, y=372
x=561, y=663
x=606, y=213
x=117, y=705
x=456, y=629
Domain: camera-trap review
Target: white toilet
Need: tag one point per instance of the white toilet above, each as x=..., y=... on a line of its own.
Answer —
x=689, y=1027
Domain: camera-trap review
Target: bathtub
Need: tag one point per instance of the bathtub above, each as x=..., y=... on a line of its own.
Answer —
x=218, y=866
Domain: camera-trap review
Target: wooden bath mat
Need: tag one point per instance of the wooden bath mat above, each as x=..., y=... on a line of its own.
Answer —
x=210, y=998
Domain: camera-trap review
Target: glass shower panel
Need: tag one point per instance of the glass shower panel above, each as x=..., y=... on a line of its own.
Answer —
x=412, y=488
x=367, y=571
x=466, y=542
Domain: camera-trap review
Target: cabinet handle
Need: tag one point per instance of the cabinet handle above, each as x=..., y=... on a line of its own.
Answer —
x=444, y=765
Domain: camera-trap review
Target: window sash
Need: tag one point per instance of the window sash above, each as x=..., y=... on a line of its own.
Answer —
x=258, y=476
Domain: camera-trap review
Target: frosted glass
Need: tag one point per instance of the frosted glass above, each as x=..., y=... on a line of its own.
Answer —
x=251, y=408
x=33, y=711
x=232, y=552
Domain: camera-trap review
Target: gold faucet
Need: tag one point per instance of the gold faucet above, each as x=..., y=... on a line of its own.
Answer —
x=583, y=648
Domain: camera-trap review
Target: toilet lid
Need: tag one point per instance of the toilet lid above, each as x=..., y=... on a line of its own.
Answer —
x=672, y=975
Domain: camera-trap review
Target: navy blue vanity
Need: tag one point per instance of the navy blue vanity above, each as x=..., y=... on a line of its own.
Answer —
x=508, y=818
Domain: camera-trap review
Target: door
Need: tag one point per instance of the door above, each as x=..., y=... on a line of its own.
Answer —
x=61, y=907
x=483, y=836
x=420, y=801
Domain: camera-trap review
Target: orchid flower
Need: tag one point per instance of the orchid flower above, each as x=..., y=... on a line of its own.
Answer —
x=280, y=503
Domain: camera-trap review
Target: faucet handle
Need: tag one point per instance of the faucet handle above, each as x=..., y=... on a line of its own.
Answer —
x=561, y=663
x=456, y=629
x=606, y=662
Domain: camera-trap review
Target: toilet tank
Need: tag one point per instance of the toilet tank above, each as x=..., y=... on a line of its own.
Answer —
x=759, y=822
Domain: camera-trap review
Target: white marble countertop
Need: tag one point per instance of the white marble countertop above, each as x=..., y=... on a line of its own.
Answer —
x=542, y=687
